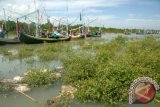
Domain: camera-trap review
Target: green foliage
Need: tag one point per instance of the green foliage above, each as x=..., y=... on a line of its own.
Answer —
x=46, y=26
x=63, y=101
x=120, y=39
x=157, y=98
x=26, y=51
x=84, y=64
x=112, y=30
x=11, y=25
x=4, y=51
x=50, y=52
x=107, y=75
x=5, y=88
x=31, y=28
x=101, y=71
x=37, y=78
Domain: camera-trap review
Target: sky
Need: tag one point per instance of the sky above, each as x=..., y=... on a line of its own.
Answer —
x=144, y=14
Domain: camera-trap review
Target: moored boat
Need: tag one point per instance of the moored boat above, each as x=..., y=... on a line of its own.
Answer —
x=94, y=34
x=4, y=41
x=77, y=36
x=28, y=39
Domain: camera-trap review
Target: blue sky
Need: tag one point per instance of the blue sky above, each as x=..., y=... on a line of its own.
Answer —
x=143, y=14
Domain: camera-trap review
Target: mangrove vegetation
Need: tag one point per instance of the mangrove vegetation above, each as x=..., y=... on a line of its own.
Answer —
x=101, y=71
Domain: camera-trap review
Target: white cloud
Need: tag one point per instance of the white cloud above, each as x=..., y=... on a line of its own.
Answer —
x=59, y=7
x=131, y=15
x=16, y=8
x=91, y=8
x=82, y=4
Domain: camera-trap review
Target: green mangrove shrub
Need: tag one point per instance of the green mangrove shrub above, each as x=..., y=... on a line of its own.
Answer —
x=7, y=54
x=6, y=88
x=37, y=77
x=63, y=101
x=26, y=51
x=107, y=75
x=49, y=52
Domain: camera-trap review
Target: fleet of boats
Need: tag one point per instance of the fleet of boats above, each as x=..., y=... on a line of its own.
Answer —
x=30, y=39
x=37, y=36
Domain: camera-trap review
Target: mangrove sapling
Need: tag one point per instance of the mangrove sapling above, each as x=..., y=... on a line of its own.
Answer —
x=3, y=50
x=30, y=60
x=6, y=88
x=37, y=78
x=7, y=53
x=26, y=51
x=48, y=52
x=59, y=101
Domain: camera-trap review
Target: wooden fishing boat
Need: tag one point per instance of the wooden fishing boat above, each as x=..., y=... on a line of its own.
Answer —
x=77, y=36
x=1, y=42
x=94, y=34
x=127, y=33
x=4, y=41
x=28, y=39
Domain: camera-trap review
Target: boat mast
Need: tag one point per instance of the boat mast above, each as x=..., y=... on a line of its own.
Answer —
x=35, y=5
x=17, y=28
x=83, y=24
x=67, y=19
x=5, y=22
x=87, y=27
x=37, y=24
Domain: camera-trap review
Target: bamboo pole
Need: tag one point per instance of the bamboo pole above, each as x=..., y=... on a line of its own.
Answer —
x=34, y=100
x=5, y=21
x=158, y=101
x=67, y=19
x=17, y=27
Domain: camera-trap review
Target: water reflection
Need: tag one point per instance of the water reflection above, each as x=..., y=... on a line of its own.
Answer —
x=41, y=94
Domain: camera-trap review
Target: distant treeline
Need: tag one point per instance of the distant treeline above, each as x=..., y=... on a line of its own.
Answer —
x=127, y=31
x=11, y=27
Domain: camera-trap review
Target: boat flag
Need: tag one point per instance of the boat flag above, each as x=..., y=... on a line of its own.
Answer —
x=41, y=17
x=86, y=31
x=53, y=27
x=59, y=26
x=48, y=21
x=80, y=16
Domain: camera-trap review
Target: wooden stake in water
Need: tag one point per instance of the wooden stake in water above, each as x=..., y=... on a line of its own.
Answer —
x=158, y=101
x=27, y=96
